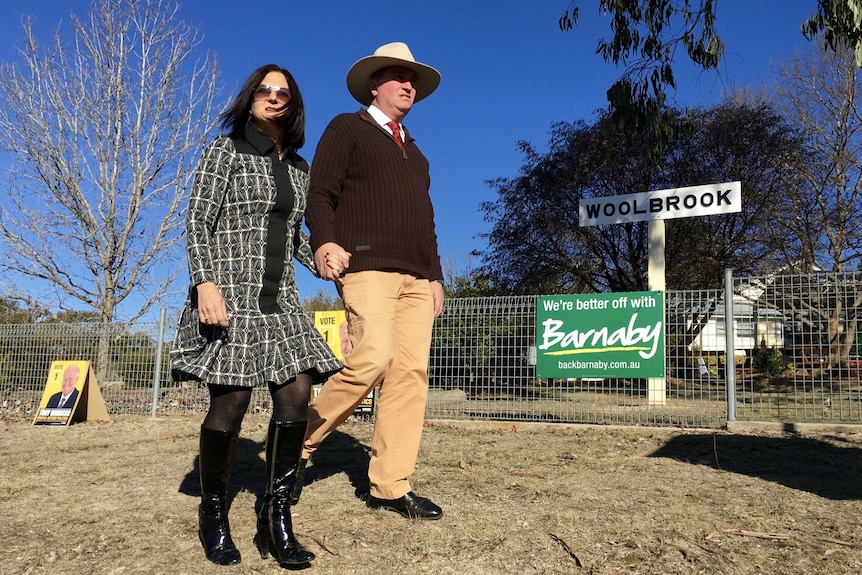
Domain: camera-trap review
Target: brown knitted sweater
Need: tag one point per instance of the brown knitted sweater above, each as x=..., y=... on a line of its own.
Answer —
x=371, y=198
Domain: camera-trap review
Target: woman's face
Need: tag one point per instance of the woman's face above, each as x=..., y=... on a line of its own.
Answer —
x=270, y=98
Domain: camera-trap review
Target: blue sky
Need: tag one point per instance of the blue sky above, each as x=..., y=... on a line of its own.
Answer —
x=508, y=73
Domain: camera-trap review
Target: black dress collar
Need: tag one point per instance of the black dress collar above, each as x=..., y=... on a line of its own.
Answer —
x=262, y=143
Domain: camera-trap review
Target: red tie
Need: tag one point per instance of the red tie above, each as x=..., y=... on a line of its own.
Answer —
x=396, y=132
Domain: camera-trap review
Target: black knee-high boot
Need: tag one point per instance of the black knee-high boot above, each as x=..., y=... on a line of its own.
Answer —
x=217, y=449
x=298, y=482
x=274, y=528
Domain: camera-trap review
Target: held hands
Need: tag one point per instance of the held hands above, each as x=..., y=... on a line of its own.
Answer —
x=211, y=307
x=331, y=261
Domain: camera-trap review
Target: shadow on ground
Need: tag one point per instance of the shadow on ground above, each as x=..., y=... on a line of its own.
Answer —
x=829, y=470
x=340, y=453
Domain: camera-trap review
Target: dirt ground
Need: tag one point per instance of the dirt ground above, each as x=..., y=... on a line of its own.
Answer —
x=120, y=498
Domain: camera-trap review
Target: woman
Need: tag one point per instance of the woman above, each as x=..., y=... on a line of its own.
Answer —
x=242, y=324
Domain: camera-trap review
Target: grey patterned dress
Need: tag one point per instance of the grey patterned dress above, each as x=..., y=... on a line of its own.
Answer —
x=243, y=229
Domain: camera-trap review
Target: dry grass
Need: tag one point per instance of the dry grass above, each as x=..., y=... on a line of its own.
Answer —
x=120, y=498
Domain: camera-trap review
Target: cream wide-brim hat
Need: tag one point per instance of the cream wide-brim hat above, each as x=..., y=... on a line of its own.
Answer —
x=393, y=54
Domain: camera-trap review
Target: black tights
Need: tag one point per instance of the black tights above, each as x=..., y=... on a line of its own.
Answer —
x=228, y=403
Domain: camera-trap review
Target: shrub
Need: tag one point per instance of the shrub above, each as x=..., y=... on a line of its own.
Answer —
x=768, y=360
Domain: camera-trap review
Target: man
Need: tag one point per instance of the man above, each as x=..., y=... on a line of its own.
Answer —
x=68, y=394
x=370, y=216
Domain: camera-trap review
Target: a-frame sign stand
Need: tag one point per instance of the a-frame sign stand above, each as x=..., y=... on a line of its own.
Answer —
x=71, y=394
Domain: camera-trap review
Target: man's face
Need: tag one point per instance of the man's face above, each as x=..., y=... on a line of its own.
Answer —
x=70, y=376
x=394, y=91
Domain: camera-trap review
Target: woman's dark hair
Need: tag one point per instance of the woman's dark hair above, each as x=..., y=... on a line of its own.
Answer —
x=234, y=119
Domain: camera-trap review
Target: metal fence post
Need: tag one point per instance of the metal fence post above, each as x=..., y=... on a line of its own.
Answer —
x=157, y=363
x=729, y=346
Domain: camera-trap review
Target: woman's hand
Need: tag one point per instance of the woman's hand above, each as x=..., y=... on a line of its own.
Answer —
x=212, y=309
x=331, y=261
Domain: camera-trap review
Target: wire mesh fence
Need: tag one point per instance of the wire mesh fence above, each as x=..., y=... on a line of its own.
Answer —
x=795, y=359
x=483, y=366
x=805, y=359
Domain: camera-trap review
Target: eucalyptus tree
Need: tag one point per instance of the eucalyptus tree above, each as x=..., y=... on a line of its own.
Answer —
x=649, y=37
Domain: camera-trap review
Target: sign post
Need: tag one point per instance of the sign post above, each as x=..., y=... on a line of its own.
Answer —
x=656, y=386
x=655, y=207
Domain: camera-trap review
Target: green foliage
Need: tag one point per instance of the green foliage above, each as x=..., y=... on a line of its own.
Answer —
x=713, y=362
x=710, y=361
x=133, y=357
x=474, y=340
x=15, y=311
x=645, y=37
x=5, y=370
x=322, y=301
x=476, y=284
x=74, y=316
x=769, y=361
x=535, y=244
x=840, y=22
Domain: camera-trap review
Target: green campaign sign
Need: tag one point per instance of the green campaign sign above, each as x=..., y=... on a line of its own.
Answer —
x=600, y=335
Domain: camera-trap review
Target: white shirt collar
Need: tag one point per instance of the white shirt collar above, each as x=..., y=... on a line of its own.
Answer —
x=382, y=119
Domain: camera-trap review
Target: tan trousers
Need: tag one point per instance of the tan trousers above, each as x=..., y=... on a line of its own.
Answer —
x=390, y=318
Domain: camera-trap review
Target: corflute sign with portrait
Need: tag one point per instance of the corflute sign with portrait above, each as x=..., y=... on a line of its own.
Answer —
x=600, y=335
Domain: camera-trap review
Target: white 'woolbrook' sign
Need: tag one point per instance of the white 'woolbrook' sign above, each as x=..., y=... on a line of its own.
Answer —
x=662, y=204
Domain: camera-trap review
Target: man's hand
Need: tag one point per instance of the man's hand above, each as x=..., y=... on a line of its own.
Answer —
x=211, y=307
x=331, y=261
x=437, y=295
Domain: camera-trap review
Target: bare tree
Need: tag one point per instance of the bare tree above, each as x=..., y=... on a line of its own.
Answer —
x=101, y=134
x=100, y=131
x=819, y=92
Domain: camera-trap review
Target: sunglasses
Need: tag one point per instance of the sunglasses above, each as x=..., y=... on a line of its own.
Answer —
x=263, y=91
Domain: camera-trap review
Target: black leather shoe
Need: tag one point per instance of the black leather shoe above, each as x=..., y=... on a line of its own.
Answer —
x=411, y=506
